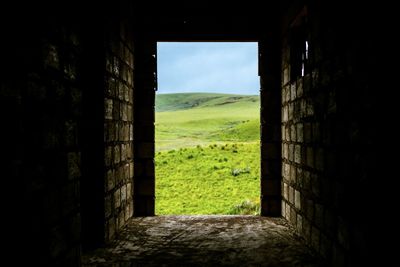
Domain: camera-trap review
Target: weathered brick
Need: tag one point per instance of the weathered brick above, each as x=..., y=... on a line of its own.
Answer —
x=291, y=152
x=108, y=109
x=287, y=133
x=297, y=199
x=286, y=171
x=291, y=195
x=292, y=176
x=110, y=180
x=299, y=87
x=117, y=198
x=285, y=115
x=117, y=154
x=283, y=209
x=299, y=226
x=285, y=153
x=293, y=216
x=290, y=111
x=130, y=132
x=123, y=193
x=108, y=206
x=293, y=132
x=286, y=75
x=293, y=94
x=123, y=152
x=299, y=132
x=129, y=191
x=116, y=112
x=297, y=153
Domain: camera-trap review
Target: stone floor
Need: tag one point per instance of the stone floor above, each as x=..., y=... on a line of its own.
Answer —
x=204, y=241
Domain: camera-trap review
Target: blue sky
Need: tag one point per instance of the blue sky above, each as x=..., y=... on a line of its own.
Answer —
x=223, y=67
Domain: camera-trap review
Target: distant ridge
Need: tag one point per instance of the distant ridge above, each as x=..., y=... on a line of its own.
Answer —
x=181, y=101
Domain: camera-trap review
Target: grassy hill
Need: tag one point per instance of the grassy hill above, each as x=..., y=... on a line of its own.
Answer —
x=191, y=119
x=208, y=158
x=173, y=102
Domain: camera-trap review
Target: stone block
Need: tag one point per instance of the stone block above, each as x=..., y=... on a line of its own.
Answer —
x=293, y=132
x=129, y=191
x=291, y=152
x=285, y=148
x=290, y=111
x=291, y=195
x=297, y=199
x=108, y=156
x=299, y=87
x=116, y=112
x=292, y=175
x=297, y=154
x=108, y=203
x=293, y=94
x=293, y=216
x=299, y=224
x=110, y=180
x=299, y=132
x=117, y=154
x=117, y=198
x=123, y=152
x=108, y=109
x=123, y=193
x=285, y=191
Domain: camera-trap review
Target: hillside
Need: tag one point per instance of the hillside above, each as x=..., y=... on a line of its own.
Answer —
x=190, y=119
x=180, y=101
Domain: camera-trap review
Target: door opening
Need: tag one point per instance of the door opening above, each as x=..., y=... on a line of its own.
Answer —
x=207, y=128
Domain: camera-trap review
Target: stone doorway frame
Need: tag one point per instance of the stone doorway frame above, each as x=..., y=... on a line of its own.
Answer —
x=270, y=121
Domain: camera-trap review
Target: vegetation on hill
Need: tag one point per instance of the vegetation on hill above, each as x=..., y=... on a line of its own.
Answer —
x=208, y=159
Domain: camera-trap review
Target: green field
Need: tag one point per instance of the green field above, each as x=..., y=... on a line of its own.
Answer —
x=207, y=154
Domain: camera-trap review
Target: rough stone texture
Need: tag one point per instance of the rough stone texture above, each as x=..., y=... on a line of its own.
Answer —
x=42, y=100
x=331, y=168
x=118, y=94
x=71, y=148
x=204, y=241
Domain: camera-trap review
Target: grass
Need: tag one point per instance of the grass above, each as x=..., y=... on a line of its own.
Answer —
x=212, y=118
x=208, y=158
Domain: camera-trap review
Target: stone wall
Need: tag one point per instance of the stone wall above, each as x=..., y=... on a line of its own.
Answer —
x=325, y=130
x=42, y=95
x=118, y=127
